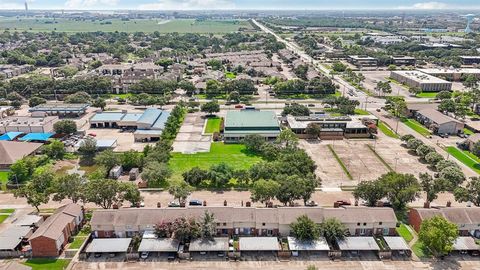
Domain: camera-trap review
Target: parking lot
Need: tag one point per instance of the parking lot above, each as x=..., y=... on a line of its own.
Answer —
x=190, y=138
x=373, y=77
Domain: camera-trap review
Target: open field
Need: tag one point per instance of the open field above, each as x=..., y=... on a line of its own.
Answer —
x=47, y=264
x=234, y=155
x=465, y=157
x=140, y=25
x=213, y=125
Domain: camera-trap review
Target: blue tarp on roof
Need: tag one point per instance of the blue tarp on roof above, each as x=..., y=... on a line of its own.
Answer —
x=9, y=136
x=36, y=137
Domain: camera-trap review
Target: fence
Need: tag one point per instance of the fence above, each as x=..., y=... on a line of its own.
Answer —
x=5, y=254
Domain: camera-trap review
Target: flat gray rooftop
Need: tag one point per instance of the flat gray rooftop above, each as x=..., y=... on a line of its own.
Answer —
x=396, y=243
x=465, y=243
x=358, y=243
x=159, y=245
x=315, y=245
x=109, y=245
x=259, y=244
x=215, y=244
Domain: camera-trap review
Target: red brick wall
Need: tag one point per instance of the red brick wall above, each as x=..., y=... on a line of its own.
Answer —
x=102, y=234
x=414, y=219
x=44, y=247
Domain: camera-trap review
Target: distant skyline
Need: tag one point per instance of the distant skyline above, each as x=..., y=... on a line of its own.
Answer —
x=240, y=4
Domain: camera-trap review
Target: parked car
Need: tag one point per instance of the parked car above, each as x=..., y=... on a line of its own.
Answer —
x=195, y=203
x=311, y=203
x=443, y=135
x=92, y=134
x=144, y=255
x=173, y=204
x=238, y=106
x=379, y=110
x=311, y=105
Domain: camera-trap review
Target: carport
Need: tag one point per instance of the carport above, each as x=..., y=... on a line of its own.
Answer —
x=314, y=246
x=204, y=246
x=109, y=245
x=249, y=245
x=398, y=246
x=159, y=246
x=355, y=245
x=465, y=244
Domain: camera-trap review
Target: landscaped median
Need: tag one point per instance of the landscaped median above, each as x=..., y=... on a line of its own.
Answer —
x=387, y=130
x=465, y=157
x=5, y=213
x=344, y=168
x=415, y=125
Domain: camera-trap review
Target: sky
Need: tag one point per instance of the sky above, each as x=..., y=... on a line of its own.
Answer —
x=240, y=4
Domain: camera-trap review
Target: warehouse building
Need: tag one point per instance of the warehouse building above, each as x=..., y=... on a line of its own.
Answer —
x=28, y=124
x=239, y=124
x=452, y=74
x=362, y=61
x=402, y=60
x=60, y=109
x=148, y=125
x=427, y=83
x=438, y=122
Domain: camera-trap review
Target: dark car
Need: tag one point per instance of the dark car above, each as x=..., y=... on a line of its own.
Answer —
x=195, y=203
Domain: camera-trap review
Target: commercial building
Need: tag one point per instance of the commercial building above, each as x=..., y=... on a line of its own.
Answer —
x=334, y=127
x=148, y=125
x=470, y=60
x=427, y=83
x=10, y=151
x=28, y=124
x=243, y=221
x=467, y=219
x=439, y=122
x=362, y=61
x=451, y=74
x=52, y=235
x=239, y=124
x=402, y=60
x=60, y=109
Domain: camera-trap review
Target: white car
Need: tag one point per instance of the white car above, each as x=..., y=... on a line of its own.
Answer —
x=144, y=255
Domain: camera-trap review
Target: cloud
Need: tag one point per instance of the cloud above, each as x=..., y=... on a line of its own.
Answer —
x=89, y=4
x=188, y=5
x=426, y=5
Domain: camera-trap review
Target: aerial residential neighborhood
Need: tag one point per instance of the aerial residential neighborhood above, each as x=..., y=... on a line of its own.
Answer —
x=230, y=134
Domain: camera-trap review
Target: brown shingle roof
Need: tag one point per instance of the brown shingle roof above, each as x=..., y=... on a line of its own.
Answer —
x=54, y=225
x=13, y=151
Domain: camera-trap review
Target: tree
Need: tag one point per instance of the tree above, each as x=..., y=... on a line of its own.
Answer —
x=99, y=103
x=264, y=190
x=22, y=169
x=180, y=190
x=68, y=186
x=476, y=149
x=65, y=127
x=407, y=137
x=296, y=109
x=433, y=158
x=305, y=229
x=313, y=129
x=423, y=149
x=163, y=230
x=414, y=144
x=253, y=142
x=453, y=177
x=442, y=164
x=131, y=159
x=338, y=66
x=130, y=193
x=107, y=159
x=220, y=174
x=287, y=138
x=447, y=105
x=415, y=90
x=103, y=192
x=35, y=101
x=370, y=191
x=210, y=107
x=195, y=176
x=430, y=186
x=290, y=189
x=469, y=193
x=383, y=87
x=185, y=230
x=156, y=173
x=208, y=226
x=37, y=191
x=444, y=95
x=165, y=62
x=400, y=188
x=333, y=229
x=79, y=97
x=87, y=150
x=55, y=149
x=438, y=235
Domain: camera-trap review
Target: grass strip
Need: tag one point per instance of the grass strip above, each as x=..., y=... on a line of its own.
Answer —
x=413, y=124
x=404, y=232
x=468, y=159
x=387, y=130
x=340, y=162
x=379, y=157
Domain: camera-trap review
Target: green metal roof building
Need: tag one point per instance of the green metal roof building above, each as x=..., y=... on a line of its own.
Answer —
x=239, y=124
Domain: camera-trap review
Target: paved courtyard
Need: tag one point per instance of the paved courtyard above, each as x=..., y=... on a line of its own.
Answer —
x=190, y=138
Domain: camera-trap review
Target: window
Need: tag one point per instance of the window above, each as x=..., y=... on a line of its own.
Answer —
x=218, y=224
x=364, y=224
x=386, y=231
x=224, y=224
x=380, y=223
x=263, y=224
x=358, y=224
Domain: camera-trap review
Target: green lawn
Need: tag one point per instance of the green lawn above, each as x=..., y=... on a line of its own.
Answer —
x=419, y=249
x=3, y=180
x=404, y=232
x=361, y=112
x=47, y=264
x=3, y=217
x=77, y=242
x=465, y=157
x=234, y=155
x=387, y=130
x=427, y=95
x=7, y=211
x=213, y=125
x=468, y=131
x=413, y=124
x=130, y=26
x=230, y=75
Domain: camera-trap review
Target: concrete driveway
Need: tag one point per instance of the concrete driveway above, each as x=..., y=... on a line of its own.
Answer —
x=190, y=138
